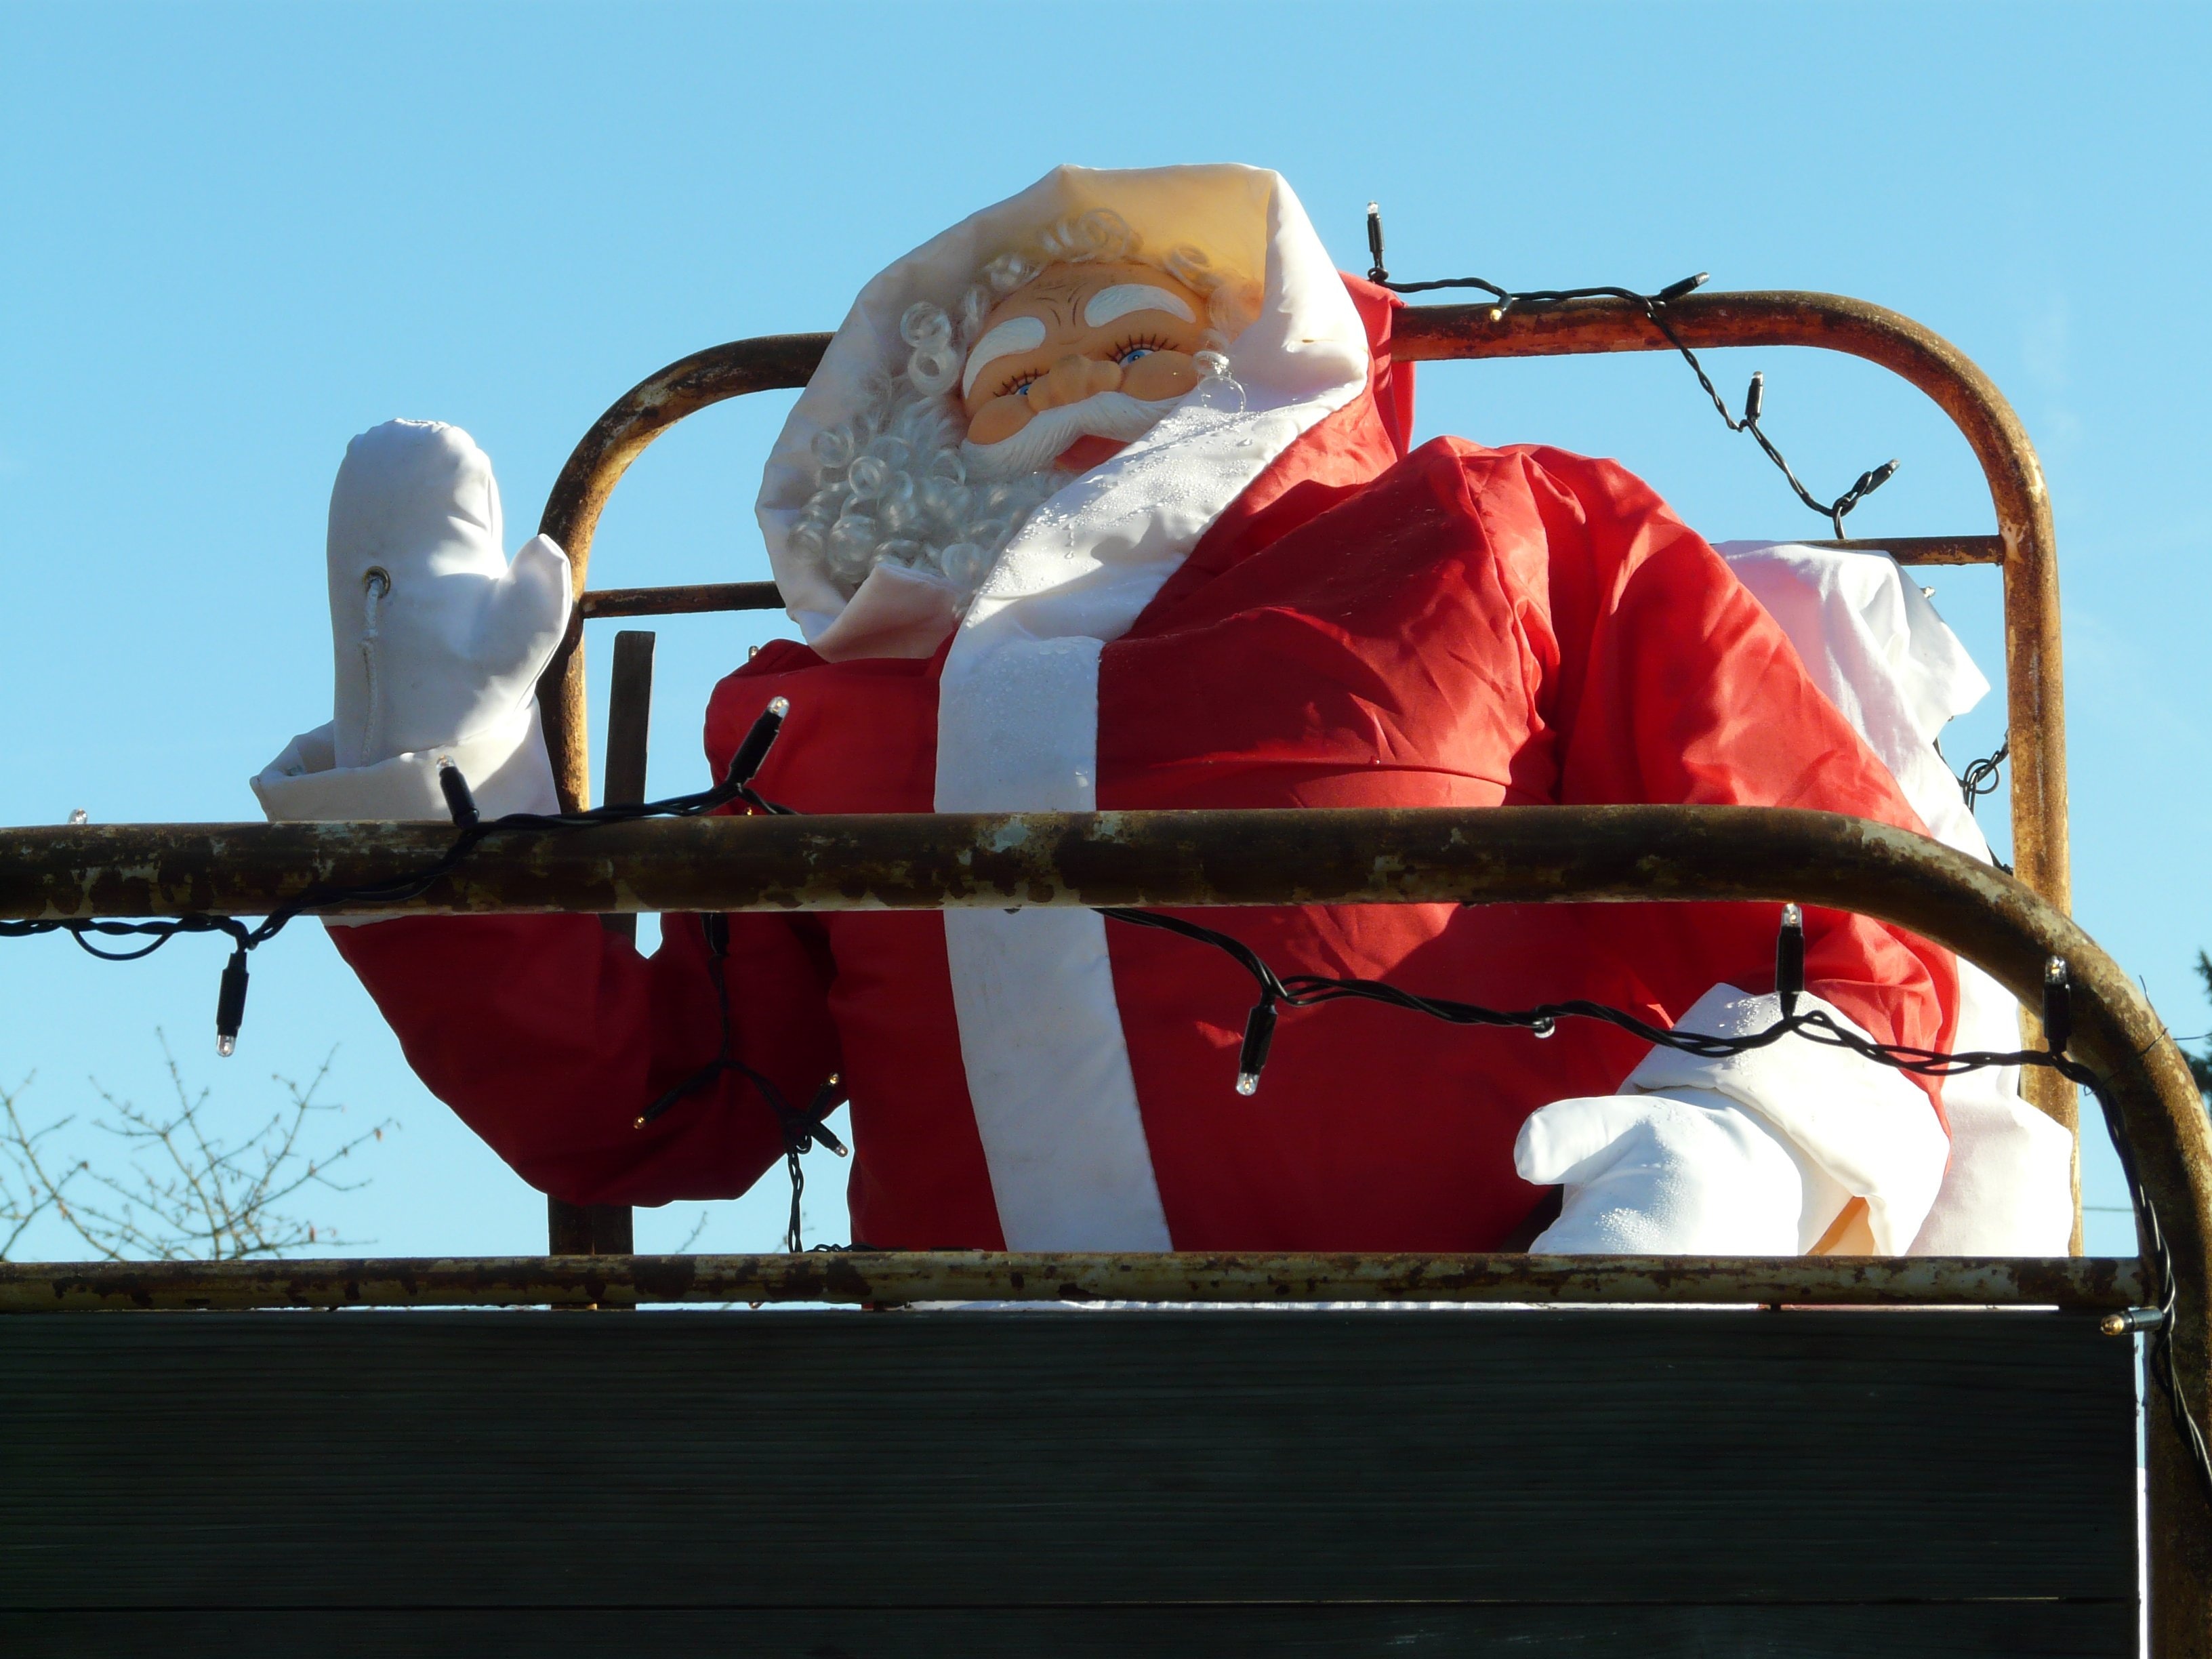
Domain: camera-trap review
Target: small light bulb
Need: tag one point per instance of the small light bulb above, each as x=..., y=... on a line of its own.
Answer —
x=1543, y=1028
x=1248, y=1082
x=779, y=707
x=226, y=1046
x=78, y=815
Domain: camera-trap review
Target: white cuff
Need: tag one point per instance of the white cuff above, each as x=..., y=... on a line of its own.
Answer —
x=1864, y=1124
x=506, y=767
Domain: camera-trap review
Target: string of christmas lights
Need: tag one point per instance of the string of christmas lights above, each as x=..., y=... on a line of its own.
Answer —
x=230, y=1002
x=1654, y=306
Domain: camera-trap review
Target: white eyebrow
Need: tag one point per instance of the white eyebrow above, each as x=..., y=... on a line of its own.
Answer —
x=1123, y=298
x=1015, y=334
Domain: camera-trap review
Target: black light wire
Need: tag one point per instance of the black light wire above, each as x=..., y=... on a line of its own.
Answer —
x=801, y=1131
x=1654, y=307
x=471, y=831
x=1299, y=991
x=1981, y=778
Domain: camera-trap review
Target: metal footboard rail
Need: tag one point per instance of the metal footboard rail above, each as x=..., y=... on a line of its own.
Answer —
x=1207, y=858
x=1185, y=859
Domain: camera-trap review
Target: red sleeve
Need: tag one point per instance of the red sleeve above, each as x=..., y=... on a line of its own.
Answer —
x=549, y=1035
x=1666, y=680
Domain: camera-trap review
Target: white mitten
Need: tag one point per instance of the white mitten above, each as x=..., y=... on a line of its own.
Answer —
x=1684, y=1172
x=437, y=640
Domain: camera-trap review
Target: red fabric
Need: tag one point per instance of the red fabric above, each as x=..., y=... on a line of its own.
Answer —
x=1462, y=627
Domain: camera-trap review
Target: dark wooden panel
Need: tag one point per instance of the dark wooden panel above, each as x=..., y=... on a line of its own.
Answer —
x=1999, y=1630
x=803, y=1459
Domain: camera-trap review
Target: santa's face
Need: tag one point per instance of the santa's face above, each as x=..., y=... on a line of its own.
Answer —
x=1063, y=357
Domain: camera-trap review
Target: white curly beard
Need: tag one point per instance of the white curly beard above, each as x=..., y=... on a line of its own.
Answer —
x=896, y=492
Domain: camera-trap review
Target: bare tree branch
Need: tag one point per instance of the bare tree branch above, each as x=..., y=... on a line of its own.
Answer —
x=184, y=1190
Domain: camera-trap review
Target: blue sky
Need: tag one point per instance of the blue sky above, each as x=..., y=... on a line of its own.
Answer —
x=231, y=236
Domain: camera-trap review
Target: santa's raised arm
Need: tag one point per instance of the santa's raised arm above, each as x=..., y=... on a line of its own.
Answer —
x=1103, y=499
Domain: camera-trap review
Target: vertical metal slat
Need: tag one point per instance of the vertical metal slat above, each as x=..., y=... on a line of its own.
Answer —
x=605, y=1229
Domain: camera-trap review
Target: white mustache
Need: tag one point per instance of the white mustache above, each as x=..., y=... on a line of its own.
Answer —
x=1113, y=414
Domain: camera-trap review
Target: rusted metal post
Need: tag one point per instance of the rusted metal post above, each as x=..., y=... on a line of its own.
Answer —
x=580, y=494
x=629, y=725
x=610, y=1229
x=683, y=599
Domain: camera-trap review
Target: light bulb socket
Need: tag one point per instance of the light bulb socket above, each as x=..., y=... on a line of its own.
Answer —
x=2057, y=1005
x=1259, y=1037
x=230, y=1004
x=459, y=802
x=753, y=751
x=1789, y=959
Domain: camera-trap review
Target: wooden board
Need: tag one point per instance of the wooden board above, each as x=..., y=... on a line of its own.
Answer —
x=983, y=1482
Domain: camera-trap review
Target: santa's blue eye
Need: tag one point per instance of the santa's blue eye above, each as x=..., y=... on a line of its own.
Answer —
x=1142, y=346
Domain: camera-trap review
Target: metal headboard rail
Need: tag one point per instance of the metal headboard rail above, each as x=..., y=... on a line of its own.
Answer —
x=2024, y=547
x=690, y=598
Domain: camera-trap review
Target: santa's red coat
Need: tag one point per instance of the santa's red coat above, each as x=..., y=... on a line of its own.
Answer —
x=1454, y=627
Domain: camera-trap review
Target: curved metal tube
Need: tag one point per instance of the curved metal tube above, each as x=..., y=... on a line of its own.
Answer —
x=2036, y=714
x=596, y=465
x=2035, y=702
x=1345, y=856
x=1428, y=333
x=1494, y=855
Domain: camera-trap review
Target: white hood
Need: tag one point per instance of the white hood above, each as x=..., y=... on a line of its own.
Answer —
x=1117, y=526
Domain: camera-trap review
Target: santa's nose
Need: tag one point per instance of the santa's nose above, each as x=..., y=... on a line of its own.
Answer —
x=1071, y=379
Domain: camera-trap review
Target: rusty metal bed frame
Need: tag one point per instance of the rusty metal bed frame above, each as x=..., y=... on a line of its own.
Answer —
x=2024, y=548
x=2010, y=925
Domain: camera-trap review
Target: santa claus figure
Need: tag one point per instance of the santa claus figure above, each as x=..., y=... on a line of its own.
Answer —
x=1104, y=499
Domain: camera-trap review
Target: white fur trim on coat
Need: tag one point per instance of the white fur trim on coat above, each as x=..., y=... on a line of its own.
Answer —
x=1876, y=647
x=1017, y=712
x=507, y=769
